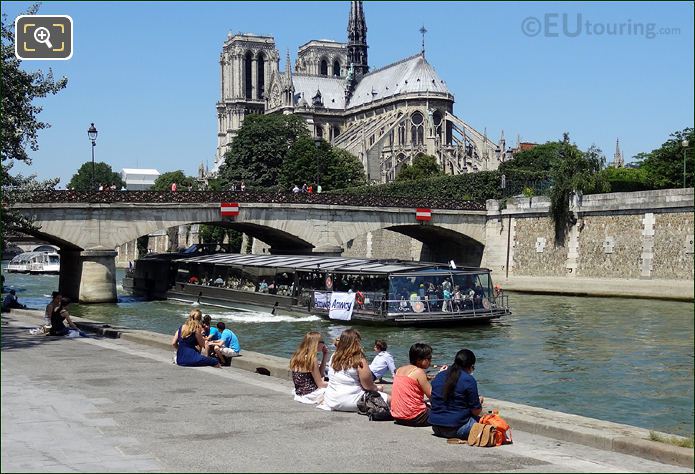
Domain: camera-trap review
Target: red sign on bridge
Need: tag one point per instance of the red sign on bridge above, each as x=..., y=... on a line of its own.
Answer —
x=229, y=209
x=423, y=214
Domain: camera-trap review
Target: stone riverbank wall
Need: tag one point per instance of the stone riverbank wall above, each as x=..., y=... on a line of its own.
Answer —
x=639, y=235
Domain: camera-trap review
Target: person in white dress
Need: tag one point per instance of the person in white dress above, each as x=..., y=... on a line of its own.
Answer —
x=351, y=376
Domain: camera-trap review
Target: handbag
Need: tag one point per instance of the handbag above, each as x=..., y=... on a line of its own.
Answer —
x=372, y=405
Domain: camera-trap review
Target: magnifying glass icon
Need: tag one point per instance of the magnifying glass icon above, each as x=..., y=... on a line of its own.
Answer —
x=42, y=35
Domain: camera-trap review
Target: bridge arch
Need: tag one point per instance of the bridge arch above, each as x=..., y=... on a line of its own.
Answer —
x=442, y=245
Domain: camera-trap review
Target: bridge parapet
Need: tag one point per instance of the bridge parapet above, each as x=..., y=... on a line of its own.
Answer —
x=185, y=197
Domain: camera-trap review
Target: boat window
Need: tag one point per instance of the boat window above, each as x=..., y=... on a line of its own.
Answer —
x=54, y=259
x=479, y=283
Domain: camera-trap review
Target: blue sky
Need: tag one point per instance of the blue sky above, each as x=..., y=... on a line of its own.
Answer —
x=147, y=73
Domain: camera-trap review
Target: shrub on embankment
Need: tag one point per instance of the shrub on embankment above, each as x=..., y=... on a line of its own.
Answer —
x=477, y=187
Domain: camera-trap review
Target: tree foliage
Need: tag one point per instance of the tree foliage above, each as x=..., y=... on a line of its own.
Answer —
x=20, y=124
x=165, y=180
x=538, y=158
x=626, y=179
x=103, y=176
x=260, y=148
x=215, y=234
x=334, y=168
x=423, y=167
x=664, y=166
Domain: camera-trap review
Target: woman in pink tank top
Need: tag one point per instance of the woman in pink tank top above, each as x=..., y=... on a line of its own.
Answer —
x=410, y=387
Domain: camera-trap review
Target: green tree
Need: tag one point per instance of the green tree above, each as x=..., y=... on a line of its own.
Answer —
x=335, y=167
x=260, y=148
x=626, y=179
x=164, y=181
x=664, y=166
x=538, y=158
x=304, y=163
x=344, y=170
x=20, y=125
x=103, y=175
x=572, y=171
x=215, y=234
x=423, y=167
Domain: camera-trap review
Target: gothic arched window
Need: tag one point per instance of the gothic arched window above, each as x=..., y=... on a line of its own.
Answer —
x=260, y=75
x=417, y=129
x=323, y=67
x=248, y=80
x=336, y=68
x=401, y=133
x=437, y=119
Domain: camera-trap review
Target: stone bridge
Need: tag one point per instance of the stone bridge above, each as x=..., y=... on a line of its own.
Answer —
x=89, y=226
x=641, y=235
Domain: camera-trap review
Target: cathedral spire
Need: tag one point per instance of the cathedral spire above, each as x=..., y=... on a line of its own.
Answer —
x=357, y=39
x=288, y=65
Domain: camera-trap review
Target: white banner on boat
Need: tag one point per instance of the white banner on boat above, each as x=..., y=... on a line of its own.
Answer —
x=341, y=306
x=322, y=300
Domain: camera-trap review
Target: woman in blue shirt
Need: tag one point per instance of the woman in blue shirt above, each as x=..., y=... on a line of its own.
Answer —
x=456, y=405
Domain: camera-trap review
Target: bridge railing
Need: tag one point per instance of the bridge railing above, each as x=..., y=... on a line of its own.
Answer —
x=185, y=197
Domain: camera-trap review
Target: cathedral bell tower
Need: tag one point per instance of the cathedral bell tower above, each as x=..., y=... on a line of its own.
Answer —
x=357, y=40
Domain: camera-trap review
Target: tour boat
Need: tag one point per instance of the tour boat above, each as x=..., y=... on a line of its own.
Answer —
x=336, y=288
x=35, y=263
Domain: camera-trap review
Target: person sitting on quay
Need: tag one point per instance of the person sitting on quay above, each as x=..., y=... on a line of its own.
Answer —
x=307, y=373
x=411, y=386
x=382, y=361
x=11, y=302
x=50, y=307
x=210, y=332
x=187, y=339
x=351, y=376
x=456, y=405
x=228, y=344
x=58, y=316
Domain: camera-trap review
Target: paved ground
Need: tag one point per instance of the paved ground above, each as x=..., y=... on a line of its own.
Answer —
x=114, y=405
x=663, y=289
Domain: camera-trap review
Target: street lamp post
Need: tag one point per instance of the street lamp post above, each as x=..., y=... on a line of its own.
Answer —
x=317, y=142
x=685, y=144
x=92, y=134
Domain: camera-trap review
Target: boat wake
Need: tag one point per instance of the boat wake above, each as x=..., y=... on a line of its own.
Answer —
x=242, y=316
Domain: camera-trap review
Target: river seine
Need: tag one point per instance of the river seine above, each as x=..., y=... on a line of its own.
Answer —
x=627, y=361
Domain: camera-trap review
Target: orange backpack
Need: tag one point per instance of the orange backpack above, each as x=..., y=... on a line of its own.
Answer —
x=503, y=432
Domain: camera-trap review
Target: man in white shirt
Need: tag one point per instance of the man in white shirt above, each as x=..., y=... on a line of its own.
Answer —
x=382, y=362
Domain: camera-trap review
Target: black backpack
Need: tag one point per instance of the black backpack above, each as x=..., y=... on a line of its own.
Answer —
x=372, y=405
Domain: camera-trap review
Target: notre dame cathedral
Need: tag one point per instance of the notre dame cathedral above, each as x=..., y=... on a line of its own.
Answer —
x=385, y=116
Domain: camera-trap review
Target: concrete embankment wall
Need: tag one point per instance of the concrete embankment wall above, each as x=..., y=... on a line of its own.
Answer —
x=567, y=427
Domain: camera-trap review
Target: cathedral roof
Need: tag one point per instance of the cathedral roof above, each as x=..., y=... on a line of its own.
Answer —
x=332, y=89
x=413, y=74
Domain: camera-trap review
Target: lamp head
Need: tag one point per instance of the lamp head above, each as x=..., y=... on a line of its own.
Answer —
x=92, y=133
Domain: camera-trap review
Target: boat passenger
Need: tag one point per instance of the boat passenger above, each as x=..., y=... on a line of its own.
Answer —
x=307, y=373
x=456, y=405
x=185, y=340
x=219, y=281
x=410, y=386
x=382, y=362
x=263, y=287
x=351, y=376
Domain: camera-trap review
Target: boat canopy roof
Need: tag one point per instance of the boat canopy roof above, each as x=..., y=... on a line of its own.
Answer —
x=30, y=255
x=323, y=263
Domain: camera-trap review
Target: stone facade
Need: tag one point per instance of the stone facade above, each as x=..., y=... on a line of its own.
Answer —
x=385, y=116
x=610, y=246
x=641, y=235
x=534, y=252
x=673, y=246
x=386, y=244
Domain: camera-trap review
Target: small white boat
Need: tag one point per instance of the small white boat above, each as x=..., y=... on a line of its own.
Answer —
x=35, y=263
